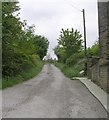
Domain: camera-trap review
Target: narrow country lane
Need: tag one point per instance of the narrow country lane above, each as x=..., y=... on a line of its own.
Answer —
x=51, y=95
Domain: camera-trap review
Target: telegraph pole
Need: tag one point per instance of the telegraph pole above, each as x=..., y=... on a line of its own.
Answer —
x=85, y=47
x=84, y=24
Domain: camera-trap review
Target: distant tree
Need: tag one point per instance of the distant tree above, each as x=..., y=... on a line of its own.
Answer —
x=41, y=45
x=69, y=43
x=48, y=56
x=94, y=50
x=61, y=54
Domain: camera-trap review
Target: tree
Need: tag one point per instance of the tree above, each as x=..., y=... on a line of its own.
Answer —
x=61, y=53
x=41, y=44
x=94, y=50
x=69, y=43
x=21, y=48
x=10, y=22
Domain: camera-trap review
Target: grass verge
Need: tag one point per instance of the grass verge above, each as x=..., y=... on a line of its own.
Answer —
x=0, y=83
x=24, y=76
x=71, y=72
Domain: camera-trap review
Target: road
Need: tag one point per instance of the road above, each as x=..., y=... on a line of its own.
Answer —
x=51, y=95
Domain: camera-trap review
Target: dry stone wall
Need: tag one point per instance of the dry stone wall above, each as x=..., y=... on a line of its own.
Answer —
x=103, y=16
x=100, y=68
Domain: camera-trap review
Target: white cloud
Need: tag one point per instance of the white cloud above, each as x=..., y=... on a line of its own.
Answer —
x=50, y=16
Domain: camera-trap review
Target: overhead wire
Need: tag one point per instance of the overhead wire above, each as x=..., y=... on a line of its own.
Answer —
x=72, y=5
x=76, y=9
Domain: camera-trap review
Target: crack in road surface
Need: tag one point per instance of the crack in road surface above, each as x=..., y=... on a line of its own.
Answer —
x=50, y=95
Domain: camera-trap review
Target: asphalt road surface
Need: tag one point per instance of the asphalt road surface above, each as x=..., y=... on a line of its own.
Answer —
x=51, y=95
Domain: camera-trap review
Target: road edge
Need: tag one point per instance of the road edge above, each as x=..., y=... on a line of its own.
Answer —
x=95, y=90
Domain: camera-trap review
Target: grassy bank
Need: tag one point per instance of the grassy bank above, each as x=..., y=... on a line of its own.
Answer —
x=70, y=72
x=24, y=76
x=0, y=84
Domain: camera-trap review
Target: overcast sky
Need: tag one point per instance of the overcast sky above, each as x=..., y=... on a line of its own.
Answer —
x=49, y=16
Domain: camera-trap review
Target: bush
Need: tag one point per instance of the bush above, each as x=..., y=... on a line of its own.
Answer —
x=94, y=50
x=21, y=77
x=71, y=72
x=73, y=59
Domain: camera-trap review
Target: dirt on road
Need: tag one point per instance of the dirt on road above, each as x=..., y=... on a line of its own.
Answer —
x=51, y=95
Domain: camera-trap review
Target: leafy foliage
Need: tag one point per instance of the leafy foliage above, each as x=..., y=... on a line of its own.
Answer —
x=23, y=76
x=69, y=45
x=41, y=44
x=94, y=50
x=61, y=53
x=20, y=46
x=71, y=71
x=73, y=59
